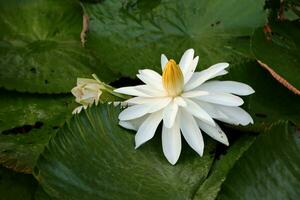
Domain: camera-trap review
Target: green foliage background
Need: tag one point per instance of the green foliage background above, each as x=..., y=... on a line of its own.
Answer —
x=45, y=153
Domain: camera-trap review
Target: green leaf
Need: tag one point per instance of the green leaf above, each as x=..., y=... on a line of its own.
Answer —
x=40, y=48
x=269, y=169
x=280, y=52
x=94, y=158
x=16, y=186
x=212, y=185
x=26, y=125
x=129, y=35
x=296, y=2
x=40, y=194
x=270, y=102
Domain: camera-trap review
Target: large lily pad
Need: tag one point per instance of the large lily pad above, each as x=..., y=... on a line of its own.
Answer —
x=269, y=169
x=212, y=185
x=40, y=48
x=279, y=52
x=129, y=35
x=271, y=101
x=26, y=125
x=93, y=156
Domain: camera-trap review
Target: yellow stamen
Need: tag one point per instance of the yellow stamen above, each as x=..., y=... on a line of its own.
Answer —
x=172, y=78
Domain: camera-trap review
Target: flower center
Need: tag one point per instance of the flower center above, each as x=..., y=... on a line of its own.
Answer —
x=172, y=78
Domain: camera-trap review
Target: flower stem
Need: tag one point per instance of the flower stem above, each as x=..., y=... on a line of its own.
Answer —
x=110, y=89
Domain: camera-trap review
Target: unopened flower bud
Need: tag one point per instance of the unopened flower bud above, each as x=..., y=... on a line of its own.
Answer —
x=87, y=91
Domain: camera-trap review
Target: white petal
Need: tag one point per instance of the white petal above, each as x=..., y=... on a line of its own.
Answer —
x=191, y=132
x=180, y=101
x=222, y=99
x=150, y=91
x=235, y=115
x=171, y=142
x=145, y=100
x=160, y=105
x=191, y=69
x=151, y=78
x=169, y=114
x=194, y=93
x=163, y=61
x=228, y=114
x=212, y=109
x=133, y=124
x=127, y=125
x=214, y=131
x=200, y=77
x=131, y=90
x=78, y=109
x=221, y=73
x=227, y=87
x=148, y=128
x=186, y=59
x=121, y=104
x=154, y=104
x=150, y=73
x=195, y=110
x=134, y=112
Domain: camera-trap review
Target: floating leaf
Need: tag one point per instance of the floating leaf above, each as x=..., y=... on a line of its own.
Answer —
x=129, y=35
x=212, y=185
x=94, y=156
x=269, y=169
x=279, y=52
x=270, y=102
x=26, y=124
x=40, y=49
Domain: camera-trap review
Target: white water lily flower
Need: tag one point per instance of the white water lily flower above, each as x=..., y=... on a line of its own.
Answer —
x=87, y=92
x=186, y=102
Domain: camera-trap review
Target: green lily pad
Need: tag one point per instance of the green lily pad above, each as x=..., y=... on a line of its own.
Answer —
x=26, y=124
x=40, y=194
x=269, y=169
x=270, y=102
x=40, y=48
x=94, y=156
x=212, y=185
x=129, y=35
x=279, y=52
